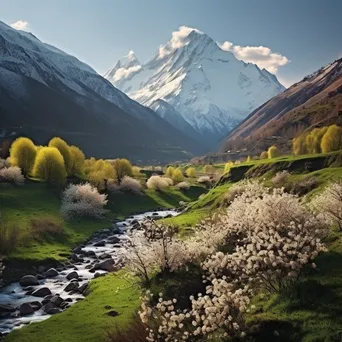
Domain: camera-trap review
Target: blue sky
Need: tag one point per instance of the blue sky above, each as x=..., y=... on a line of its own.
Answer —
x=297, y=37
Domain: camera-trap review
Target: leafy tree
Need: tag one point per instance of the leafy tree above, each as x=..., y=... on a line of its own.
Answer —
x=248, y=159
x=49, y=166
x=190, y=172
x=332, y=139
x=122, y=168
x=77, y=160
x=228, y=166
x=136, y=171
x=64, y=149
x=273, y=152
x=299, y=145
x=22, y=154
x=264, y=155
x=177, y=176
x=169, y=171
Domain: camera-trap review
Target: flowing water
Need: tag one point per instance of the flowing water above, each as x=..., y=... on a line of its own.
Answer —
x=108, y=242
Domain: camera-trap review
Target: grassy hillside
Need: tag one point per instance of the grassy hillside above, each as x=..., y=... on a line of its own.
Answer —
x=21, y=204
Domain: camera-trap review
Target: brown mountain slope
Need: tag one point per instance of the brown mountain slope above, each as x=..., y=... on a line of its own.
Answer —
x=313, y=102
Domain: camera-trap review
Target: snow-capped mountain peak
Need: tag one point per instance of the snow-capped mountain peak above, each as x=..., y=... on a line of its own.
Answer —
x=209, y=87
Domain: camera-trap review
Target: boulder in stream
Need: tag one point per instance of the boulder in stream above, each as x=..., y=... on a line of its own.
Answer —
x=52, y=272
x=72, y=286
x=72, y=275
x=42, y=292
x=106, y=265
x=26, y=309
x=29, y=280
x=101, y=243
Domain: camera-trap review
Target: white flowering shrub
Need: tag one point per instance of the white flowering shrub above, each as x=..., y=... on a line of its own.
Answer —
x=155, y=248
x=158, y=183
x=4, y=163
x=183, y=186
x=11, y=174
x=128, y=184
x=216, y=314
x=275, y=236
x=281, y=178
x=329, y=204
x=83, y=200
x=203, y=179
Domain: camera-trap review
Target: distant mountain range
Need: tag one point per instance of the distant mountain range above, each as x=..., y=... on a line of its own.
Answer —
x=313, y=102
x=45, y=92
x=195, y=85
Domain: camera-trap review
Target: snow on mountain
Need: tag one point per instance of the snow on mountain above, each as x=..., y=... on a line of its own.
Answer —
x=208, y=87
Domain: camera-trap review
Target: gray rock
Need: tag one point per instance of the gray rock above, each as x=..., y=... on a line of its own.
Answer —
x=82, y=288
x=72, y=275
x=96, y=275
x=29, y=280
x=6, y=308
x=26, y=309
x=112, y=313
x=91, y=254
x=106, y=265
x=99, y=244
x=57, y=300
x=42, y=292
x=72, y=286
x=53, y=311
x=36, y=305
x=52, y=272
x=40, y=277
x=113, y=239
x=105, y=256
x=41, y=269
x=48, y=306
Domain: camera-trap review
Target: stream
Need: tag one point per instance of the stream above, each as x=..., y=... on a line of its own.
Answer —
x=37, y=297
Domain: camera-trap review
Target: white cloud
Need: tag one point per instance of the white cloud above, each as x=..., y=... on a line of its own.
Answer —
x=262, y=56
x=20, y=25
x=177, y=41
x=124, y=73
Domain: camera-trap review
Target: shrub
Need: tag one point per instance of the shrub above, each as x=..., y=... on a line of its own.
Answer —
x=23, y=154
x=43, y=229
x=9, y=238
x=11, y=174
x=332, y=139
x=169, y=171
x=273, y=152
x=64, y=149
x=122, y=168
x=329, y=204
x=303, y=186
x=281, y=178
x=4, y=163
x=183, y=186
x=228, y=166
x=177, y=176
x=158, y=183
x=130, y=184
x=83, y=200
x=49, y=166
x=203, y=179
x=190, y=172
x=264, y=155
x=77, y=160
x=209, y=169
x=136, y=171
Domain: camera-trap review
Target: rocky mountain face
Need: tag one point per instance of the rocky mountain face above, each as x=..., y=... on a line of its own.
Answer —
x=45, y=92
x=205, y=86
x=313, y=102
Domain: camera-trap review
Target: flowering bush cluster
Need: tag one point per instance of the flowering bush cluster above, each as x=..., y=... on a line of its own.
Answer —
x=183, y=185
x=11, y=174
x=329, y=204
x=154, y=248
x=281, y=178
x=83, y=200
x=159, y=183
x=263, y=239
x=128, y=184
x=4, y=163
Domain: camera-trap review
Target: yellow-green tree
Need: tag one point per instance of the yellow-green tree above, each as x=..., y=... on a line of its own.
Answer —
x=264, y=155
x=177, y=176
x=22, y=154
x=273, y=152
x=169, y=171
x=248, y=159
x=122, y=168
x=228, y=166
x=332, y=139
x=209, y=169
x=77, y=160
x=299, y=145
x=136, y=171
x=64, y=149
x=190, y=172
x=49, y=166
